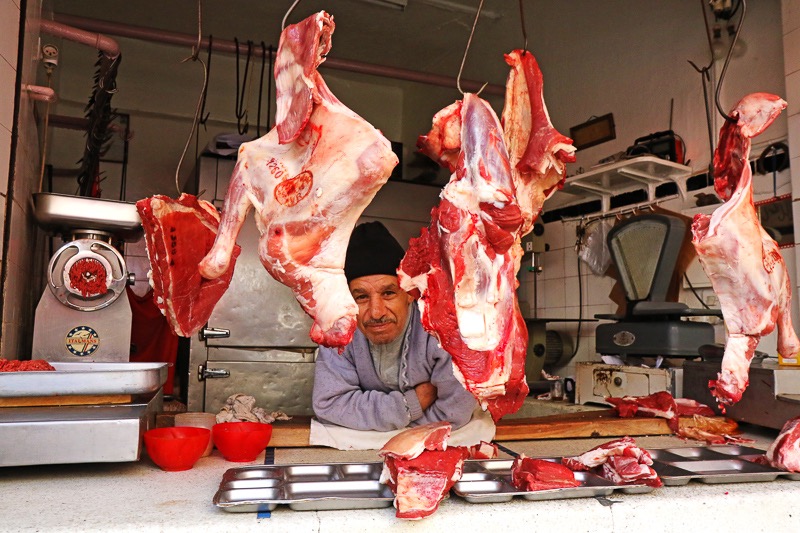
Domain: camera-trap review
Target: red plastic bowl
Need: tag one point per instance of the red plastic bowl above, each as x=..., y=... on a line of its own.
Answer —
x=177, y=448
x=241, y=442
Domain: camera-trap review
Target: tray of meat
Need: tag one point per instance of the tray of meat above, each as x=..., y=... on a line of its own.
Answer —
x=714, y=464
x=85, y=379
x=492, y=481
x=303, y=487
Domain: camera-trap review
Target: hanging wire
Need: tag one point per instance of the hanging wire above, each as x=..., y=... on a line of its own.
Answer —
x=261, y=87
x=194, y=57
x=466, y=50
x=289, y=12
x=522, y=22
x=705, y=73
x=241, y=112
x=728, y=60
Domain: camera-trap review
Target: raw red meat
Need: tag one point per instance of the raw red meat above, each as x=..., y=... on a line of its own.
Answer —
x=743, y=262
x=483, y=450
x=687, y=407
x=32, y=365
x=463, y=267
x=309, y=179
x=538, y=474
x=659, y=404
x=178, y=233
x=421, y=469
x=621, y=461
x=784, y=453
x=537, y=152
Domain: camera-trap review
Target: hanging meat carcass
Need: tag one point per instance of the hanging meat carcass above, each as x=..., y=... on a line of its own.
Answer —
x=309, y=179
x=743, y=262
x=463, y=267
x=538, y=153
x=178, y=234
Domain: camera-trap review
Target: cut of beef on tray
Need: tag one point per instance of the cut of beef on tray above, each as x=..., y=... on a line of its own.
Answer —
x=483, y=450
x=420, y=468
x=178, y=234
x=309, y=179
x=620, y=461
x=659, y=405
x=784, y=453
x=463, y=267
x=538, y=474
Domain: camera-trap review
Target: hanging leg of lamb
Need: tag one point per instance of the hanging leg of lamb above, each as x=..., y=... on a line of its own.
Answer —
x=537, y=152
x=178, y=233
x=743, y=262
x=309, y=179
x=463, y=267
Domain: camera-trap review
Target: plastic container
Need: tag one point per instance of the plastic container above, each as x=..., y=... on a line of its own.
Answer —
x=241, y=442
x=178, y=448
x=198, y=420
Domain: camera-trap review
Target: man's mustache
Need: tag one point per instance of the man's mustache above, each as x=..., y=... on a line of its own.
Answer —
x=379, y=321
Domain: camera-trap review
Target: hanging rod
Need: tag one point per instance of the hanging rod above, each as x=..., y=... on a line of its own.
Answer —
x=220, y=45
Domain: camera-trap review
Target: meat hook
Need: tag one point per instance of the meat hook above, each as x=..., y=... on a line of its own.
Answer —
x=722, y=112
x=522, y=22
x=241, y=113
x=204, y=119
x=261, y=87
x=466, y=50
x=286, y=16
x=194, y=57
x=706, y=80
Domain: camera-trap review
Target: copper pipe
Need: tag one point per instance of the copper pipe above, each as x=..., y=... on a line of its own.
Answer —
x=220, y=45
x=105, y=44
x=42, y=94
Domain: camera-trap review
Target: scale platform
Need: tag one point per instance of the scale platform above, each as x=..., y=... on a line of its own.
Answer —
x=772, y=398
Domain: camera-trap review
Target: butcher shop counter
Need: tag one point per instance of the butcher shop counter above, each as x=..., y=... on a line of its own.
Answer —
x=140, y=497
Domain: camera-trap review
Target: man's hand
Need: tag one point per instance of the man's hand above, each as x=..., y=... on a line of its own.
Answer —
x=426, y=393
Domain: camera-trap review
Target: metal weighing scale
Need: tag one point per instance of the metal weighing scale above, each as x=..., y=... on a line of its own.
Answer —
x=84, y=314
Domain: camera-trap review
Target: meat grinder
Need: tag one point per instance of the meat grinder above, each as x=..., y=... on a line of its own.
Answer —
x=84, y=313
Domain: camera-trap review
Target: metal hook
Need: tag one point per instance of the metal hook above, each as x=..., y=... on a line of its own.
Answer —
x=286, y=16
x=727, y=61
x=204, y=119
x=466, y=50
x=522, y=21
x=241, y=113
x=261, y=87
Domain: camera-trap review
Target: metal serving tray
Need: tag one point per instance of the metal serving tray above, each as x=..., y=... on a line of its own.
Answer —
x=303, y=487
x=714, y=464
x=489, y=481
x=85, y=378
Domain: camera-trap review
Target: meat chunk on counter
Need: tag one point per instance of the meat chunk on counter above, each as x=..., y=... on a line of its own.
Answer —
x=309, y=179
x=421, y=469
x=784, y=453
x=539, y=474
x=742, y=261
x=620, y=461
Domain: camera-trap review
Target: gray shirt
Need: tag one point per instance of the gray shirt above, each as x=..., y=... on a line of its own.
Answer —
x=348, y=390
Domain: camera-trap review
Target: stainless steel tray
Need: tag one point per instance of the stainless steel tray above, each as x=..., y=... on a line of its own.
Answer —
x=63, y=213
x=303, y=487
x=489, y=481
x=714, y=464
x=85, y=378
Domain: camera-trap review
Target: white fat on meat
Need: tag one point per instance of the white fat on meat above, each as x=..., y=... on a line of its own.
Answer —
x=309, y=180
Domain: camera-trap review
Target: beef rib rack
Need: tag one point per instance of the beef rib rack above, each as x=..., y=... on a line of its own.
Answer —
x=463, y=267
x=309, y=179
x=742, y=261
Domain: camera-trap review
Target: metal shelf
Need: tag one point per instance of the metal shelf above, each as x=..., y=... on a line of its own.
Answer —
x=644, y=172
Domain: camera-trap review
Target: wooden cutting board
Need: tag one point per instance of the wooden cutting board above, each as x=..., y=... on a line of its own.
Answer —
x=598, y=423
x=48, y=401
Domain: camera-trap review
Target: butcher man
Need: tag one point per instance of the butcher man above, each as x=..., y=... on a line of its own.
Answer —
x=392, y=374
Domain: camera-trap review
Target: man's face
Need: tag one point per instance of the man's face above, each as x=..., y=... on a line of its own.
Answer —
x=382, y=307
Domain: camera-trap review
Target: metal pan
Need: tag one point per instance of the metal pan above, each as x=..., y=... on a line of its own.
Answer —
x=712, y=464
x=85, y=378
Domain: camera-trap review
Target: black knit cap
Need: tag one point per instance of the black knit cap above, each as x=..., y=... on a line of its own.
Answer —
x=372, y=250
